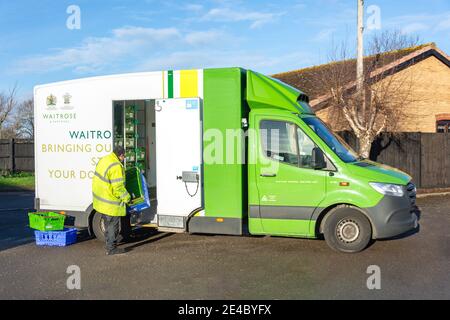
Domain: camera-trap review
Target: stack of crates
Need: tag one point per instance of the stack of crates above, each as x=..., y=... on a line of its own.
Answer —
x=130, y=136
x=135, y=156
x=49, y=229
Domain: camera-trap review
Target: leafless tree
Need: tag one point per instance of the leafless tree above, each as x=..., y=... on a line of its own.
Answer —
x=8, y=103
x=25, y=119
x=385, y=93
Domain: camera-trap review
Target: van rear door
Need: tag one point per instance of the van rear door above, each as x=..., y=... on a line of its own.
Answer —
x=178, y=160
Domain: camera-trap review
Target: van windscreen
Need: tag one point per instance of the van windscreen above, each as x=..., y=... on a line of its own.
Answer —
x=336, y=143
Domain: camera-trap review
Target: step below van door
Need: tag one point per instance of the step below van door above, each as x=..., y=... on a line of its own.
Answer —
x=178, y=160
x=289, y=189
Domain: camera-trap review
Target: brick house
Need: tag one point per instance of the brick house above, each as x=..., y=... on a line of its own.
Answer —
x=428, y=67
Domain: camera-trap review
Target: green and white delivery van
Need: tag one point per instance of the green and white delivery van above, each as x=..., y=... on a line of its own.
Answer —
x=224, y=151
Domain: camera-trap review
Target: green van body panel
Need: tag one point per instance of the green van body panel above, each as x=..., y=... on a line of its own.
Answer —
x=224, y=180
x=265, y=92
x=276, y=198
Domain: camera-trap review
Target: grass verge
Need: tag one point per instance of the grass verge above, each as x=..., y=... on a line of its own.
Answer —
x=12, y=183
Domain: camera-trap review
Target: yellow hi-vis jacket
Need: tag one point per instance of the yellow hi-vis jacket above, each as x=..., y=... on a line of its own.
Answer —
x=108, y=187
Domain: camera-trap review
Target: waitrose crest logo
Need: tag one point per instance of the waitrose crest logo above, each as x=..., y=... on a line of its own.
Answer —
x=61, y=113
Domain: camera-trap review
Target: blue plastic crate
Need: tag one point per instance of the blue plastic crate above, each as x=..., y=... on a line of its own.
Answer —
x=62, y=238
x=145, y=204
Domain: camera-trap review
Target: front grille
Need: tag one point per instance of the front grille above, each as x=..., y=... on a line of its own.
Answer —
x=411, y=191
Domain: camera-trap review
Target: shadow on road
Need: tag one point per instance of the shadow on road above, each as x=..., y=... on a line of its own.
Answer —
x=14, y=208
x=144, y=236
x=14, y=229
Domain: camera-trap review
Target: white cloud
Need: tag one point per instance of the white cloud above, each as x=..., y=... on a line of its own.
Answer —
x=414, y=27
x=194, y=7
x=238, y=58
x=299, y=5
x=145, y=33
x=124, y=45
x=203, y=37
x=420, y=22
x=257, y=19
x=444, y=23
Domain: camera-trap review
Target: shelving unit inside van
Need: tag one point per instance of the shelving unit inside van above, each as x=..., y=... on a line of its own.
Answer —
x=130, y=132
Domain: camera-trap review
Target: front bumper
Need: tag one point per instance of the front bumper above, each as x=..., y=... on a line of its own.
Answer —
x=393, y=216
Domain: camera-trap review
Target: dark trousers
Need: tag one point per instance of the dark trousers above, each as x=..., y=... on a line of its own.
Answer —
x=116, y=230
x=112, y=229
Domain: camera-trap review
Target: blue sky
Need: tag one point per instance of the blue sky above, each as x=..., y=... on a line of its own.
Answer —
x=143, y=35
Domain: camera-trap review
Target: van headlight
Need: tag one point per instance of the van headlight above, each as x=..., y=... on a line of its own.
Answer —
x=388, y=189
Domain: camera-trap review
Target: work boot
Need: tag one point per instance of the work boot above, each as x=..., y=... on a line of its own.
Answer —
x=116, y=251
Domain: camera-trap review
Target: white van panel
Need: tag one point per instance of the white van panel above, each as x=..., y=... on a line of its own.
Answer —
x=178, y=150
x=63, y=176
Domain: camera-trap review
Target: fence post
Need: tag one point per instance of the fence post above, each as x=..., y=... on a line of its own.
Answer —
x=11, y=155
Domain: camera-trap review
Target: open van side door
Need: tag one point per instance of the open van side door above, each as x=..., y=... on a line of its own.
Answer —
x=178, y=160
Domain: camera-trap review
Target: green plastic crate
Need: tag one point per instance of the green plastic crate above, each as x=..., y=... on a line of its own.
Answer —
x=46, y=221
x=130, y=127
x=130, y=142
x=140, y=154
x=129, y=112
x=131, y=156
x=141, y=165
x=133, y=185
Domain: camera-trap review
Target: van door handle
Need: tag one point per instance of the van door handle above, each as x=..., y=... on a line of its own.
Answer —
x=268, y=175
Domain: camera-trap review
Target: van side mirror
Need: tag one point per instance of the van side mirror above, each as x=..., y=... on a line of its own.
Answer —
x=318, y=159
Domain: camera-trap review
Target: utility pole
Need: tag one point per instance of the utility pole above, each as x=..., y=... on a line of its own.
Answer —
x=360, y=90
x=360, y=50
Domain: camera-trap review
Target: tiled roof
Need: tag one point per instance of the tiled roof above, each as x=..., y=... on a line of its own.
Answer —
x=309, y=80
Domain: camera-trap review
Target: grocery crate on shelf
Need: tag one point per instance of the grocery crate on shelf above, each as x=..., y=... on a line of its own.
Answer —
x=46, y=221
x=118, y=141
x=130, y=142
x=129, y=112
x=61, y=238
x=130, y=127
x=140, y=154
x=130, y=156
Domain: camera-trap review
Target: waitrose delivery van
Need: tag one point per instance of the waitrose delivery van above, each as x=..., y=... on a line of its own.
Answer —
x=224, y=151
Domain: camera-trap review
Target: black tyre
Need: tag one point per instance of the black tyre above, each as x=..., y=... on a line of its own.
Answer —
x=346, y=229
x=98, y=227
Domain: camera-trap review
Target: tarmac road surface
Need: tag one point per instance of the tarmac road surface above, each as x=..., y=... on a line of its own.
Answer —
x=182, y=266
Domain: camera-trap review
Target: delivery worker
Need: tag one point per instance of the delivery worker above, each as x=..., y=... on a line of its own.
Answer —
x=110, y=196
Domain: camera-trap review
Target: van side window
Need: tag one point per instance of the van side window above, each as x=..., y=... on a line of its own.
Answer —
x=285, y=142
x=279, y=141
x=305, y=149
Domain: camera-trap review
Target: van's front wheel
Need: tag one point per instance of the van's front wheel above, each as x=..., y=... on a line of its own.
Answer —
x=346, y=229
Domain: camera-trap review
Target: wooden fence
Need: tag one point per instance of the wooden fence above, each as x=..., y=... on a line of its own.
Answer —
x=16, y=155
x=424, y=156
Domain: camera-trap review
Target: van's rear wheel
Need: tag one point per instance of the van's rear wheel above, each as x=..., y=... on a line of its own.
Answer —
x=347, y=229
x=99, y=227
